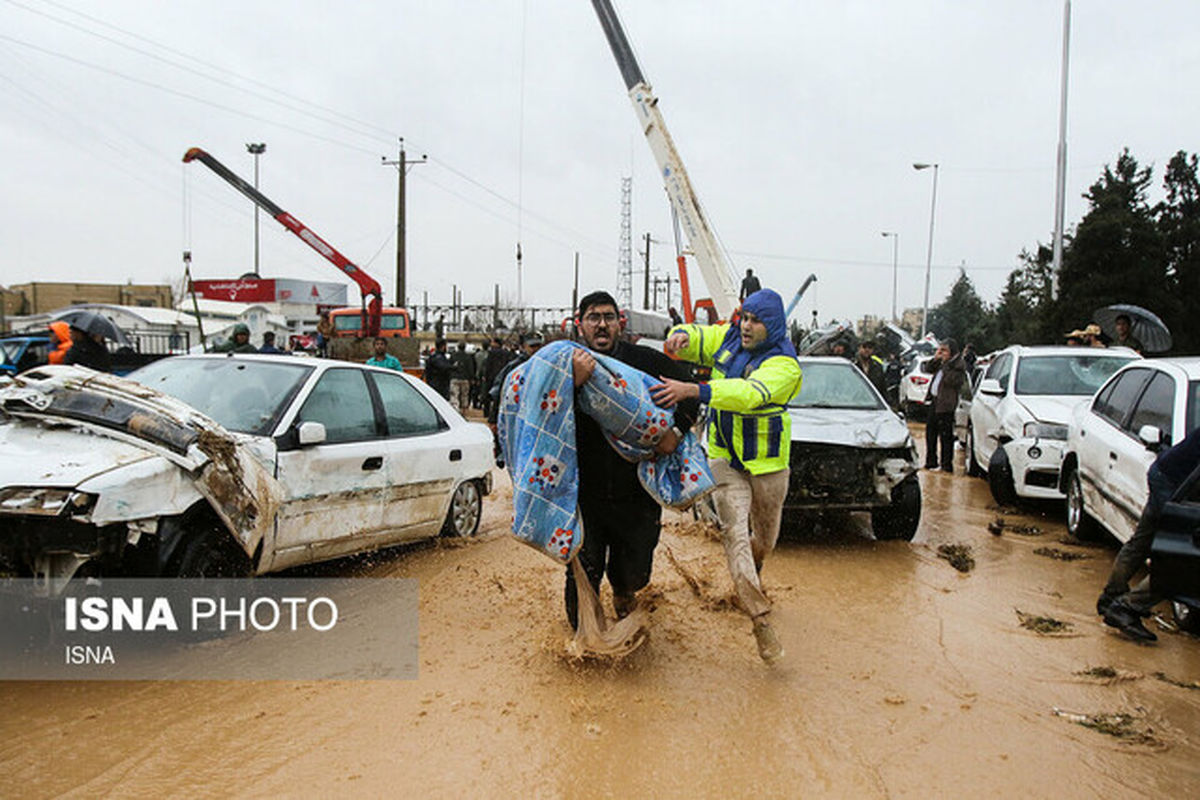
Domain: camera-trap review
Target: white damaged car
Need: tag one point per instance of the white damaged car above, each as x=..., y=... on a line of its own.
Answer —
x=227, y=465
x=1017, y=430
x=850, y=451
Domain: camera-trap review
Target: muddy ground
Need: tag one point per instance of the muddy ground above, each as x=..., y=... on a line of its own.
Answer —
x=904, y=677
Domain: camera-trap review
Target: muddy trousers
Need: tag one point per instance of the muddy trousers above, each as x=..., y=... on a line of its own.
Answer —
x=746, y=501
x=1132, y=556
x=618, y=539
x=460, y=394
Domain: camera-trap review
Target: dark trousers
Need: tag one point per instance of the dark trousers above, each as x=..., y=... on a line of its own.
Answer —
x=618, y=540
x=939, y=429
x=1133, y=554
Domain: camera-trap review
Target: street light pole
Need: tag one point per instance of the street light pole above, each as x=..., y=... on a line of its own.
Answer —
x=929, y=254
x=895, y=237
x=256, y=150
x=1060, y=177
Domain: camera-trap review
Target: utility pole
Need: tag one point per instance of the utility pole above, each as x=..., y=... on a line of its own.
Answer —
x=646, y=288
x=1060, y=171
x=402, y=164
x=256, y=150
x=574, y=291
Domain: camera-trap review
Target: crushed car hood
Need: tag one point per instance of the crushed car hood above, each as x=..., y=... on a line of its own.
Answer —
x=231, y=475
x=850, y=427
x=43, y=455
x=1048, y=408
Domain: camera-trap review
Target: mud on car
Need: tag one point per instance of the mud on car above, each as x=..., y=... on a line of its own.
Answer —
x=227, y=465
x=850, y=451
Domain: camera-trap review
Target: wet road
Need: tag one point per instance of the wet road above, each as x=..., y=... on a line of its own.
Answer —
x=903, y=678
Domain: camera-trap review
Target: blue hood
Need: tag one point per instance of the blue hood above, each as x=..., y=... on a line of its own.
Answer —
x=767, y=306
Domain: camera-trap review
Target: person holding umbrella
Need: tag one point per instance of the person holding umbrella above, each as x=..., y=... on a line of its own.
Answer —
x=88, y=350
x=1134, y=327
x=1125, y=337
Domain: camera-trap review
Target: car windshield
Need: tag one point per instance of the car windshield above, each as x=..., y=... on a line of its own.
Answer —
x=243, y=395
x=834, y=385
x=9, y=351
x=1065, y=375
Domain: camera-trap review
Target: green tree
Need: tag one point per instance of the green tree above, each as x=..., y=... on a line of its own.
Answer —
x=1178, y=219
x=962, y=315
x=1117, y=254
x=1023, y=315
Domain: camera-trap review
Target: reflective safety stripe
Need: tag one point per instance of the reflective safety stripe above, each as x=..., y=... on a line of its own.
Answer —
x=774, y=436
x=750, y=438
x=725, y=432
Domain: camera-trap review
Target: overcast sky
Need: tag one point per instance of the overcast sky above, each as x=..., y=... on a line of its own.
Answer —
x=798, y=122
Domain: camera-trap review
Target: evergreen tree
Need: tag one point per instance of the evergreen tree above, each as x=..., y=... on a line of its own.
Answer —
x=1117, y=254
x=962, y=315
x=1023, y=315
x=1179, y=224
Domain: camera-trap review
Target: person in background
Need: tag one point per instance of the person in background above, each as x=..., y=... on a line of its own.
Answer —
x=238, y=341
x=324, y=334
x=1125, y=337
x=461, y=377
x=497, y=359
x=754, y=374
x=60, y=337
x=438, y=369
x=478, y=389
x=948, y=376
x=620, y=520
x=381, y=357
x=969, y=357
x=870, y=366
x=88, y=350
x=268, y=345
x=750, y=285
x=1093, y=336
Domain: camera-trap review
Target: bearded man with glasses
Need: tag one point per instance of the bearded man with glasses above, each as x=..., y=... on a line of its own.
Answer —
x=620, y=520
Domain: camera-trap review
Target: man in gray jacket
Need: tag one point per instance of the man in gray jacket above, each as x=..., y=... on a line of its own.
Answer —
x=948, y=376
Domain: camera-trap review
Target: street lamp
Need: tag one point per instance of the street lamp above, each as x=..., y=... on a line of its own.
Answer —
x=929, y=254
x=895, y=237
x=256, y=150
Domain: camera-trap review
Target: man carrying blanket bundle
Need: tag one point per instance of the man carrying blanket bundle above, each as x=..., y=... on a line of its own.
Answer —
x=755, y=374
x=620, y=520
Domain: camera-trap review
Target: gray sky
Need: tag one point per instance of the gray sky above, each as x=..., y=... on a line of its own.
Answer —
x=798, y=122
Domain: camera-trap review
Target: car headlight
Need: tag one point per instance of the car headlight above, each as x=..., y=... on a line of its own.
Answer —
x=42, y=501
x=1045, y=430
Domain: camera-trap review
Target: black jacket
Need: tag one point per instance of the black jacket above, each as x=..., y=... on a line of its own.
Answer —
x=603, y=475
x=437, y=372
x=88, y=352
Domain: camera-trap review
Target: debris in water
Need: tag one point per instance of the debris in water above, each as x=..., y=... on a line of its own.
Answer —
x=1043, y=625
x=1061, y=555
x=996, y=527
x=1165, y=678
x=895, y=699
x=999, y=525
x=1107, y=674
x=959, y=556
x=687, y=576
x=1123, y=726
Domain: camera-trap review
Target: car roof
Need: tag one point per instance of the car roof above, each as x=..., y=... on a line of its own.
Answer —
x=284, y=358
x=1022, y=350
x=824, y=360
x=1188, y=365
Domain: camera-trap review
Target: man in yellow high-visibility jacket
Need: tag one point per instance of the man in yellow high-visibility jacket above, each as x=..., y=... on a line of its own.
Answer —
x=754, y=375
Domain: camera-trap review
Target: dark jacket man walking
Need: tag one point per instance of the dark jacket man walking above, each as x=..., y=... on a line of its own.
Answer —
x=948, y=376
x=620, y=520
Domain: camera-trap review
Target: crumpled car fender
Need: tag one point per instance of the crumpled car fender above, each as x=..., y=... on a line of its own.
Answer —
x=151, y=488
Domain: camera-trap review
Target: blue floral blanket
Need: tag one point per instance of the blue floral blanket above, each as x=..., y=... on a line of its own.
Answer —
x=536, y=427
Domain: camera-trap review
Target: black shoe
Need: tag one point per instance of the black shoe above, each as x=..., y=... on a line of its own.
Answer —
x=1128, y=621
x=949, y=470
x=931, y=466
x=624, y=604
x=1105, y=600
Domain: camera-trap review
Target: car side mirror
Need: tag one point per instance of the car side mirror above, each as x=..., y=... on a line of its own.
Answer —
x=310, y=433
x=1150, y=436
x=991, y=386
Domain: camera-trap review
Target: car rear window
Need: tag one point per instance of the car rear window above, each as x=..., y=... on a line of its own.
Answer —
x=1193, y=406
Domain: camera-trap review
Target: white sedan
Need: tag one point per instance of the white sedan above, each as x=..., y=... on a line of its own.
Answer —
x=1019, y=414
x=1114, y=439
x=227, y=465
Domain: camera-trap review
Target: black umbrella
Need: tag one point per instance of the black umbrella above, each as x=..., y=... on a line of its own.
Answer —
x=1144, y=326
x=91, y=322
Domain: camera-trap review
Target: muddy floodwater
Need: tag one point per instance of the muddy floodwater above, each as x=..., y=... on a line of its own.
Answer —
x=904, y=677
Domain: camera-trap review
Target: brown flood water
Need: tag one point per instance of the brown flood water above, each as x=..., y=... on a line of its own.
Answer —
x=903, y=678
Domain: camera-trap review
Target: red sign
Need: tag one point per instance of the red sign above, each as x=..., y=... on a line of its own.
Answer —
x=238, y=291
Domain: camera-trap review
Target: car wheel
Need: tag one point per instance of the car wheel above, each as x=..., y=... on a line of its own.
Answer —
x=1186, y=617
x=1079, y=523
x=208, y=552
x=466, y=507
x=1000, y=478
x=900, y=519
x=973, y=468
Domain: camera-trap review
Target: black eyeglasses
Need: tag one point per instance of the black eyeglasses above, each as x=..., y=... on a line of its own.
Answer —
x=596, y=319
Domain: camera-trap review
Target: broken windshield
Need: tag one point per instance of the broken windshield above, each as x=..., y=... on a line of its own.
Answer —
x=834, y=385
x=243, y=395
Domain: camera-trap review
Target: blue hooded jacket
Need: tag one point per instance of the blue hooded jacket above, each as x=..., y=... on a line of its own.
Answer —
x=767, y=306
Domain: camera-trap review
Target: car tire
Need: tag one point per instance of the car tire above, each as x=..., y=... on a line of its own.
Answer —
x=1080, y=524
x=900, y=519
x=466, y=507
x=208, y=552
x=973, y=467
x=1186, y=617
x=1000, y=478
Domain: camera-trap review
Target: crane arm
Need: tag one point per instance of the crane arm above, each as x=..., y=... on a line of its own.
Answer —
x=686, y=204
x=799, y=293
x=366, y=284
